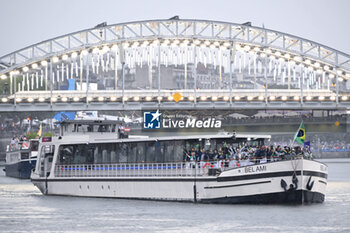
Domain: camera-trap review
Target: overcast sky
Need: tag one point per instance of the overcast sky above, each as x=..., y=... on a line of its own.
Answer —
x=25, y=22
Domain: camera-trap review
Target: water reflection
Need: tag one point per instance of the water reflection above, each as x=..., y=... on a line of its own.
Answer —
x=23, y=208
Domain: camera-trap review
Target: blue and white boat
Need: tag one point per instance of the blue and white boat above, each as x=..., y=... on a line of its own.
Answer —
x=21, y=158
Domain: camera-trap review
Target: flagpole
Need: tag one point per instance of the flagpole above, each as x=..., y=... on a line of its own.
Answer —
x=295, y=135
x=302, y=178
x=302, y=162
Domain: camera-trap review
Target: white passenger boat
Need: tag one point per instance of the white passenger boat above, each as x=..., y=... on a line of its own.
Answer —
x=88, y=159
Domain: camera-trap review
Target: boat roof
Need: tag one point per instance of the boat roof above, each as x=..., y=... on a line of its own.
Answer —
x=107, y=136
x=207, y=136
x=89, y=122
x=89, y=138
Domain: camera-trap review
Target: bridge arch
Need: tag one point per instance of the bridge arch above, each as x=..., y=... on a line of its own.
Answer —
x=144, y=62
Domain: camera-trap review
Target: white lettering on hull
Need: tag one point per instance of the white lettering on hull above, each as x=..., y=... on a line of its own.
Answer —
x=252, y=169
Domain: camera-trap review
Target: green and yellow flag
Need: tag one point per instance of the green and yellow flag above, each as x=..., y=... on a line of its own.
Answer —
x=300, y=134
x=40, y=132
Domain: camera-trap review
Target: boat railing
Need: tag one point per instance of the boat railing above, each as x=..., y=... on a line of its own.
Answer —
x=125, y=169
x=187, y=168
x=14, y=147
x=23, y=145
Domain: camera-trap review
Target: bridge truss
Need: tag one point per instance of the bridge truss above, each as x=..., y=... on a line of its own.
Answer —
x=142, y=64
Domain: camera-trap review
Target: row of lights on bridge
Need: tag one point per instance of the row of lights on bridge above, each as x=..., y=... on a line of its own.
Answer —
x=272, y=54
x=170, y=98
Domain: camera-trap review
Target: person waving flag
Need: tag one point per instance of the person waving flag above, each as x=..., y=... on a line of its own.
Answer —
x=300, y=134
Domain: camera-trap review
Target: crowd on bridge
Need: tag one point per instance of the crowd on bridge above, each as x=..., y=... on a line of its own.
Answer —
x=230, y=156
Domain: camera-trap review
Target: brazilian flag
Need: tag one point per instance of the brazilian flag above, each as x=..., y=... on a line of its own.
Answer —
x=300, y=134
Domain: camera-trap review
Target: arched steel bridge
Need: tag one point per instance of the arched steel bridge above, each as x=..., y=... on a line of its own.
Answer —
x=143, y=64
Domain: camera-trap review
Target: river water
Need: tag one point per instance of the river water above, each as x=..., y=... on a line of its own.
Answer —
x=24, y=209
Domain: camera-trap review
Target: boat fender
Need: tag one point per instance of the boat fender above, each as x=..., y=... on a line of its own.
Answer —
x=284, y=185
x=292, y=186
x=295, y=180
x=310, y=185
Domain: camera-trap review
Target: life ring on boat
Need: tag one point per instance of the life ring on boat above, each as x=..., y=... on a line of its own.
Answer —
x=208, y=164
x=25, y=145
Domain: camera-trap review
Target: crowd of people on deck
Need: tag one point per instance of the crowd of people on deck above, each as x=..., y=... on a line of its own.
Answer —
x=16, y=143
x=229, y=156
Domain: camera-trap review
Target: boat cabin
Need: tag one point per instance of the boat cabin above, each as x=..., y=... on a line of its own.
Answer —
x=69, y=127
x=22, y=150
x=152, y=149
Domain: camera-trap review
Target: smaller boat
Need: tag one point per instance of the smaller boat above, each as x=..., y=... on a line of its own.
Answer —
x=21, y=158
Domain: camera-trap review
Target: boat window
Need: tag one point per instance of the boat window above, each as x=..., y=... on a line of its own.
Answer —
x=110, y=148
x=192, y=144
x=95, y=128
x=131, y=151
x=140, y=152
x=178, y=150
x=103, y=128
x=167, y=151
x=114, y=154
x=252, y=142
x=12, y=157
x=90, y=128
x=34, y=145
x=90, y=153
x=79, y=128
x=158, y=152
x=73, y=154
x=25, y=155
x=48, y=150
x=149, y=151
x=65, y=154
x=122, y=151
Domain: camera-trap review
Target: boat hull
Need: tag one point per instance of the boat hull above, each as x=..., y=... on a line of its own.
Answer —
x=21, y=169
x=293, y=197
x=277, y=182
